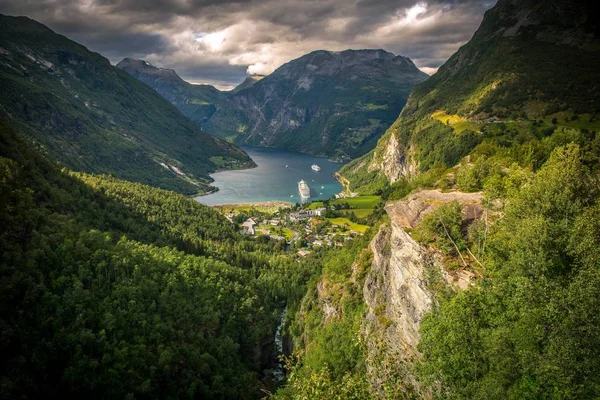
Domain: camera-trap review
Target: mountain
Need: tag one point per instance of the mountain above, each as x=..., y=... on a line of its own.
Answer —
x=197, y=102
x=481, y=281
x=529, y=62
x=94, y=117
x=114, y=289
x=249, y=81
x=327, y=103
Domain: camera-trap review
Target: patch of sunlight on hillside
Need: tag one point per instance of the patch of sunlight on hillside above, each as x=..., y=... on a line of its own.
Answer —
x=457, y=122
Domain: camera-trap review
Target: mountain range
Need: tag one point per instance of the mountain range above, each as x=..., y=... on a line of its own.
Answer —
x=197, y=102
x=327, y=103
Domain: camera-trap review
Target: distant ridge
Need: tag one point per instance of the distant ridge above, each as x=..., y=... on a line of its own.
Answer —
x=197, y=102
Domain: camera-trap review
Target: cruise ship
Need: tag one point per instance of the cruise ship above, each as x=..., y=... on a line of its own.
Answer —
x=315, y=167
x=304, y=190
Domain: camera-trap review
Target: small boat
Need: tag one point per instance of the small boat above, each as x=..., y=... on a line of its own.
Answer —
x=322, y=187
x=292, y=196
x=315, y=167
x=286, y=166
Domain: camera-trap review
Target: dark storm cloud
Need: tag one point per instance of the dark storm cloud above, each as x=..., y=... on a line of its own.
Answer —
x=219, y=41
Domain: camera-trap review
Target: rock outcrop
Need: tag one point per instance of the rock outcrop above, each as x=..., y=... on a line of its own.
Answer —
x=396, y=288
x=395, y=162
x=407, y=213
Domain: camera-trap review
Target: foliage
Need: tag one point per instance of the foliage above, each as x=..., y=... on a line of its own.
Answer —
x=113, y=289
x=444, y=227
x=529, y=329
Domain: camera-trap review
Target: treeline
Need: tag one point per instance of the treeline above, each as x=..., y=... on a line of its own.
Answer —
x=112, y=289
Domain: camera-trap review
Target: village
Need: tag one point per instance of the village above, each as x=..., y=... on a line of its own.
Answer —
x=305, y=228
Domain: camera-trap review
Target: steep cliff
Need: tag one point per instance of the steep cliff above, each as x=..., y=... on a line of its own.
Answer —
x=397, y=289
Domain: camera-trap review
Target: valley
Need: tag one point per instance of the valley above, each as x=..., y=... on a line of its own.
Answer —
x=156, y=242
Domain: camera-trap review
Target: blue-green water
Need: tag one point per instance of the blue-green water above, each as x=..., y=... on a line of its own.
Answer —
x=272, y=181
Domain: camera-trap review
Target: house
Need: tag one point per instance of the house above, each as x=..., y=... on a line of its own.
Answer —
x=318, y=211
x=304, y=214
x=248, y=227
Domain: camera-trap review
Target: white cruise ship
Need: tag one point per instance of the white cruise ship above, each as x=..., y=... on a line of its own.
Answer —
x=315, y=167
x=304, y=190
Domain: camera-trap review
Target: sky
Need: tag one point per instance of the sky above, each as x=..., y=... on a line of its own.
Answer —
x=220, y=42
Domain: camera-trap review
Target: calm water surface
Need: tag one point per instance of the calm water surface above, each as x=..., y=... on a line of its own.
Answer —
x=272, y=181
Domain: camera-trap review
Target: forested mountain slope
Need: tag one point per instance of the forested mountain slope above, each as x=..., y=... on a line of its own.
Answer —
x=530, y=67
x=94, y=117
x=197, y=102
x=485, y=285
x=114, y=289
x=326, y=103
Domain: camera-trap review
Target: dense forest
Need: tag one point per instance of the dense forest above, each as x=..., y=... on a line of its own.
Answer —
x=112, y=289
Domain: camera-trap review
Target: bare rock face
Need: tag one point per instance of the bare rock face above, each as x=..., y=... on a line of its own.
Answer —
x=395, y=162
x=396, y=288
x=407, y=213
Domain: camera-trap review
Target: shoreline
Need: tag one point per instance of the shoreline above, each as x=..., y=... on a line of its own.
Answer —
x=270, y=203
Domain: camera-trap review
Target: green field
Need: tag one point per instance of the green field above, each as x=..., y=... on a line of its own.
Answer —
x=268, y=207
x=359, y=202
x=359, y=212
x=457, y=122
x=349, y=224
x=314, y=205
x=278, y=231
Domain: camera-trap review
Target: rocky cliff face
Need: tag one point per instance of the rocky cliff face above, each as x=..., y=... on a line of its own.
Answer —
x=396, y=288
x=395, y=162
x=330, y=103
x=397, y=297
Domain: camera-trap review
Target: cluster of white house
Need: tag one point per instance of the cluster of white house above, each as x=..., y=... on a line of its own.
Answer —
x=305, y=214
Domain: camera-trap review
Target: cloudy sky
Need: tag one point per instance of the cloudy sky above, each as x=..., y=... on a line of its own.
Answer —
x=219, y=42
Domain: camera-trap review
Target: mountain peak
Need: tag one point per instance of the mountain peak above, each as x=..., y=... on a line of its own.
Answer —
x=248, y=82
x=334, y=103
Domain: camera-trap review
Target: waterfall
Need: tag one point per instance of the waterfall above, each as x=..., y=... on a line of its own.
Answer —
x=278, y=372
